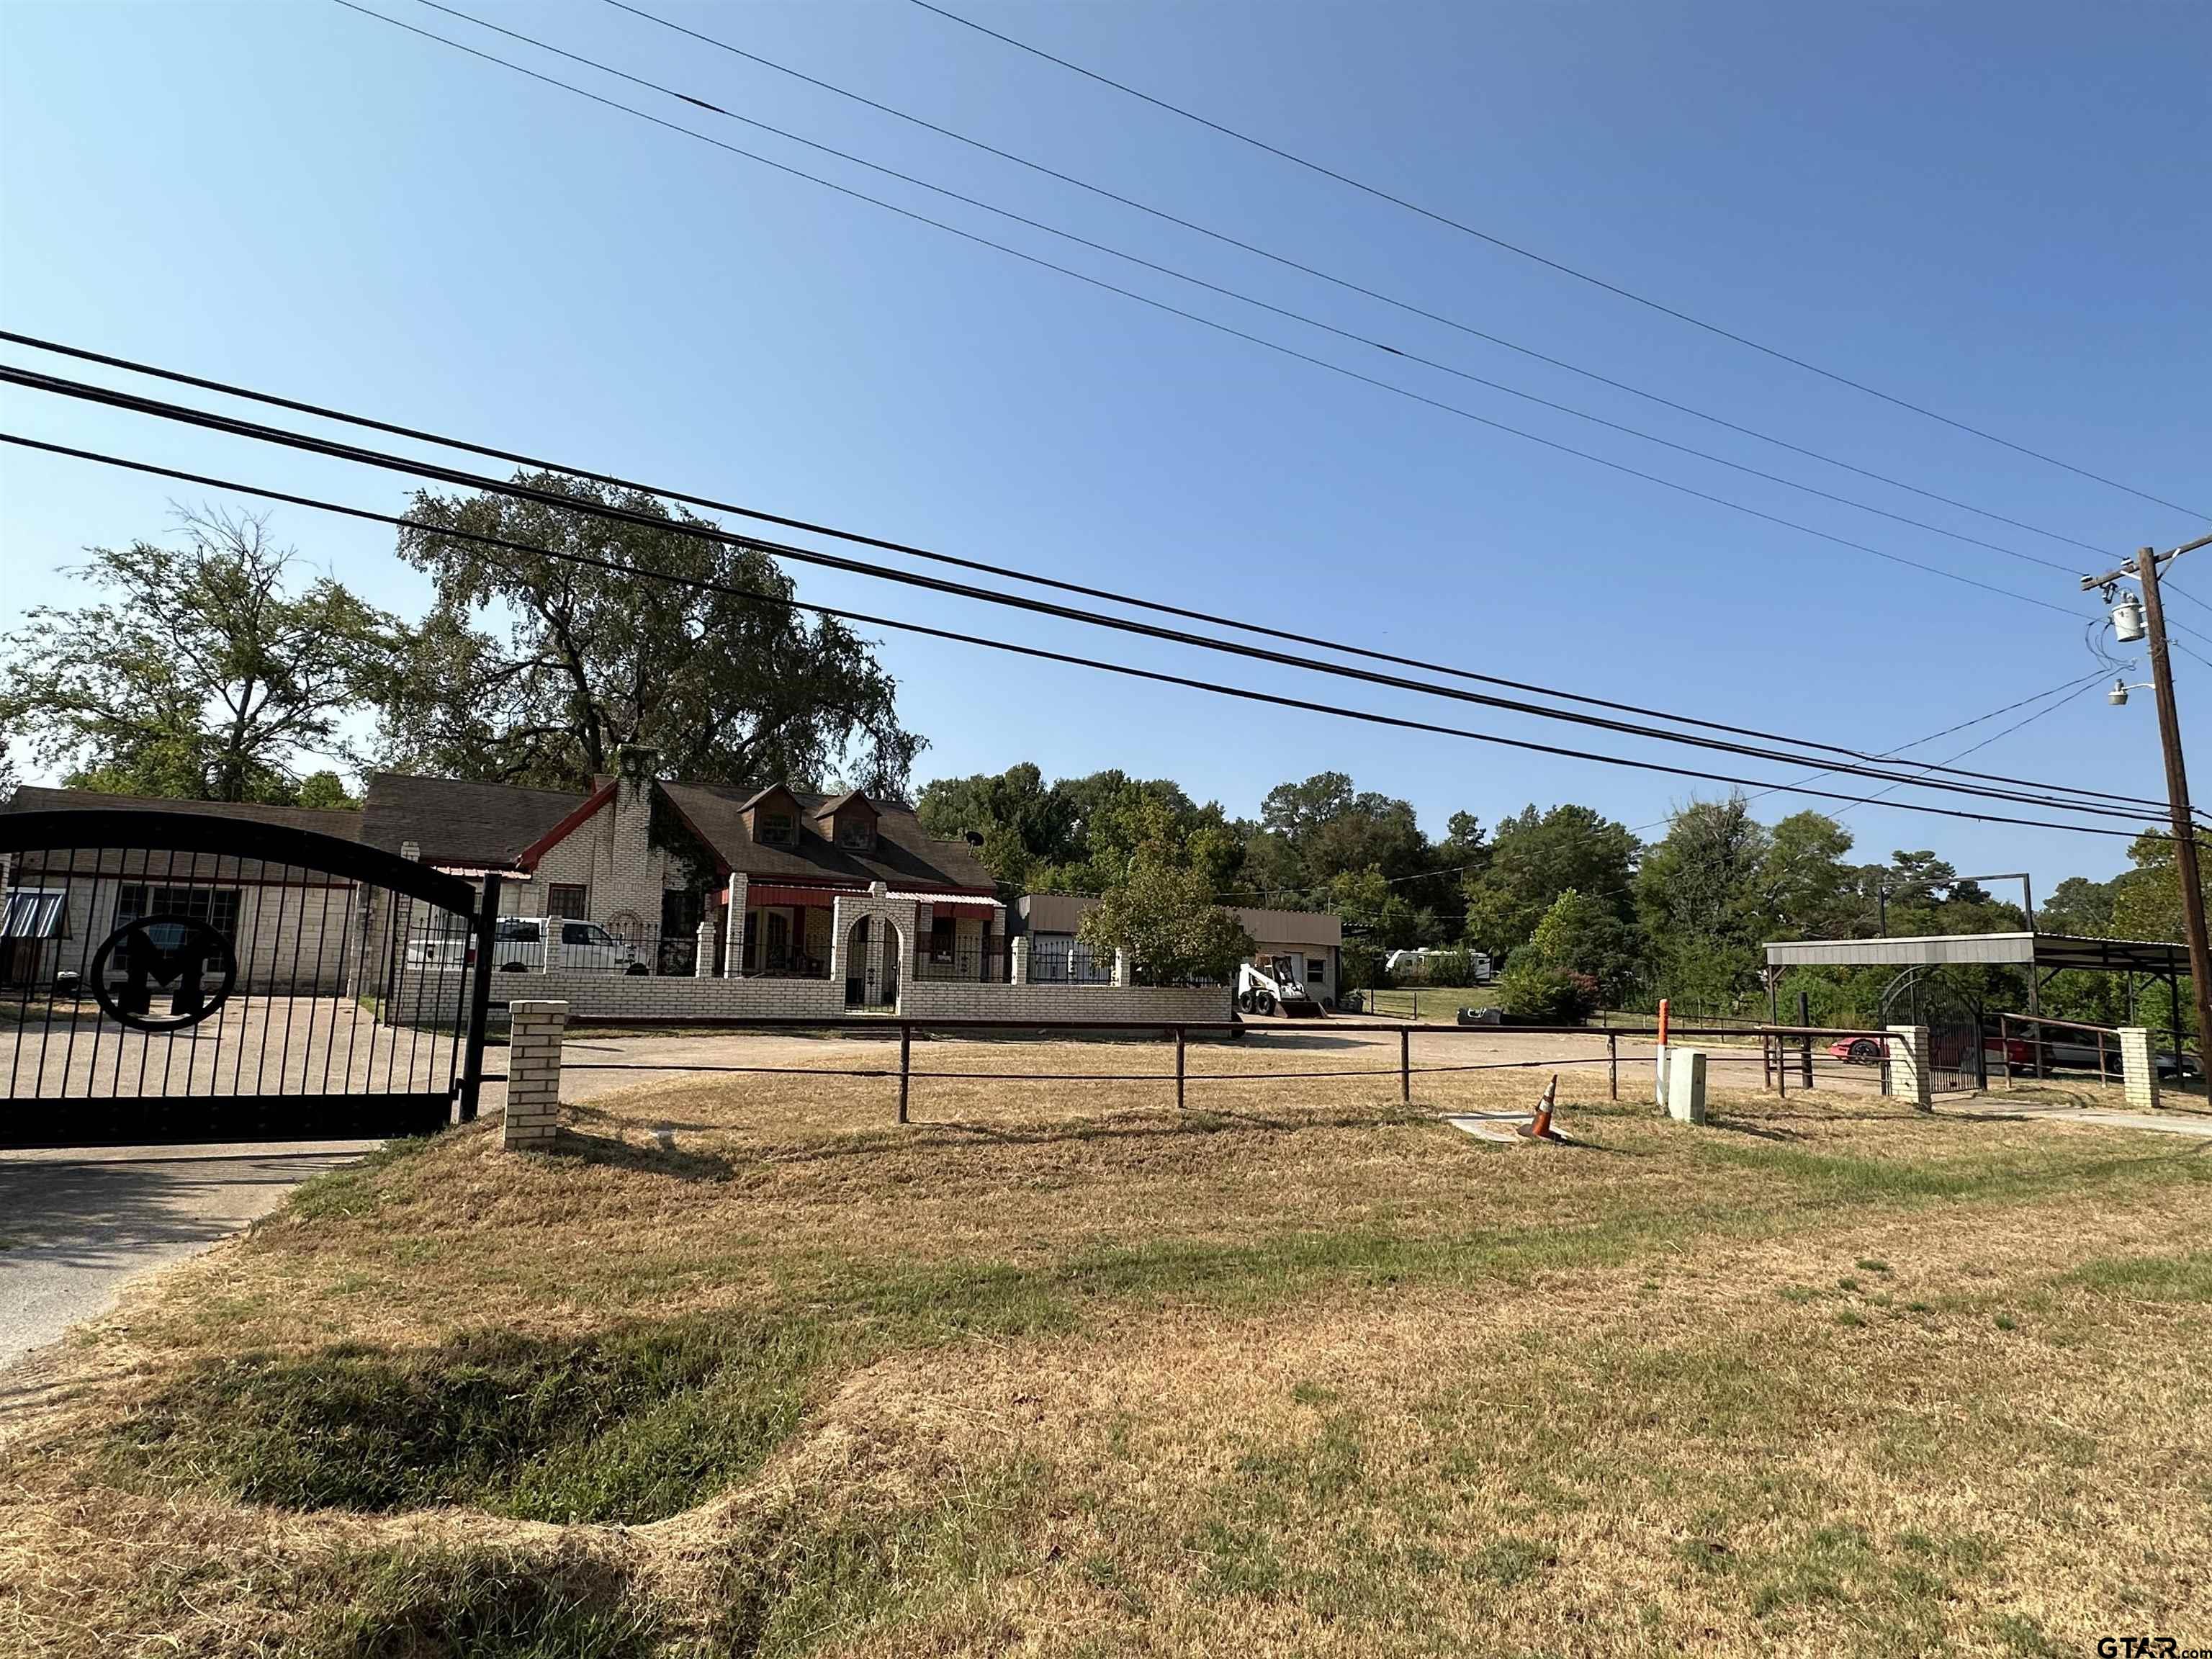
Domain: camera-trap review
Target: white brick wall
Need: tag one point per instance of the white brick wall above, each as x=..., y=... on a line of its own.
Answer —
x=958, y=1000
x=627, y=996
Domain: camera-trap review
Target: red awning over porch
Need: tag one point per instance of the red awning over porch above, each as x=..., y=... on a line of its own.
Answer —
x=820, y=899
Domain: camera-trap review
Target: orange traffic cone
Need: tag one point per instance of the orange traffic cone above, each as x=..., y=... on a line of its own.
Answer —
x=1541, y=1128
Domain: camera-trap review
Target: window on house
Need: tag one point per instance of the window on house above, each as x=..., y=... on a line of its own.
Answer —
x=775, y=828
x=567, y=898
x=215, y=906
x=1313, y=970
x=856, y=833
x=940, y=938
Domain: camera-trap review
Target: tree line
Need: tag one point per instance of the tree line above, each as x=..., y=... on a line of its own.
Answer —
x=1580, y=911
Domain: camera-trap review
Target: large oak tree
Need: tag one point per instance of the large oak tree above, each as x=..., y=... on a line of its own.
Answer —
x=210, y=671
x=536, y=662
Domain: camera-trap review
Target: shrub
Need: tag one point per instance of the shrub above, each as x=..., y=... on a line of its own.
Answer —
x=1547, y=996
x=1451, y=967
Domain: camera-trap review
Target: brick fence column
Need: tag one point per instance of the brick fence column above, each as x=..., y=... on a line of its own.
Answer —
x=702, y=964
x=1120, y=967
x=1019, y=973
x=533, y=1074
x=1908, y=1065
x=2139, y=1067
x=734, y=962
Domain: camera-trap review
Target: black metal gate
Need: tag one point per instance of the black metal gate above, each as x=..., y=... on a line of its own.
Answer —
x=1957, y=1057
x=174, y=976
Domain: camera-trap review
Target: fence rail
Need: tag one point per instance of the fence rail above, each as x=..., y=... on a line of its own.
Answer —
x=1180, y=1031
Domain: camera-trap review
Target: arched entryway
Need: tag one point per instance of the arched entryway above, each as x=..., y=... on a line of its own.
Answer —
x=874, y=949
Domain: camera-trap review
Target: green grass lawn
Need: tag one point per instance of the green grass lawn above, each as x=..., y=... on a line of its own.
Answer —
x=1430, y=1004
x=740, y=1369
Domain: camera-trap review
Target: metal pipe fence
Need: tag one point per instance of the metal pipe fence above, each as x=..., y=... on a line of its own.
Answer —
x=1179, y=1033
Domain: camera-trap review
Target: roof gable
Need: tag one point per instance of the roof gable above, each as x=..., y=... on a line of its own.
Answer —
x=903, y=855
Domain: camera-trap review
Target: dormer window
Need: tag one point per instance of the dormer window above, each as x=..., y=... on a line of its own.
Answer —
x=775, y=828
x=857, y=833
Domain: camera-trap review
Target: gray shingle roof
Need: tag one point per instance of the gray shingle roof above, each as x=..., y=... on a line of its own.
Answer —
x=489, y=825
x=457, y=823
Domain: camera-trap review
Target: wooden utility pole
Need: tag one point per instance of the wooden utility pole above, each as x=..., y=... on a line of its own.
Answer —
x=2144, y=568
x=2177, y=792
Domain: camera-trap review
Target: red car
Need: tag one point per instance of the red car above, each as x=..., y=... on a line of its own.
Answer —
x=1861, y=1050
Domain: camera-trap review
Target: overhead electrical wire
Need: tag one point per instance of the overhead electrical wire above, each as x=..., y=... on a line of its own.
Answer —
x=1262, y=341
x=1289, y=264
x=2032, y=792
x=1180, y=275
x=1159, y=607
x=1034, y=653
x=2017, y=725
x=1559, y=266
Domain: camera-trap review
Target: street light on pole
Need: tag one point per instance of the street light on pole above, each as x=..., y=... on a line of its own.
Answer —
x=2147, y=621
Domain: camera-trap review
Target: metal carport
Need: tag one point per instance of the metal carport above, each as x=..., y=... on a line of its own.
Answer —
x=2042, y=954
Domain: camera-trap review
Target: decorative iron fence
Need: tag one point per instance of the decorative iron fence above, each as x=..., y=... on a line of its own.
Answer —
x=1062, y=960
x=987, y=961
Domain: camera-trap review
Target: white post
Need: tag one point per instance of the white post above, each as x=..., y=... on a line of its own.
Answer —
x=2139, y=1067
x=1908, y=1065
x=733, y=964
x=534, y=1075
x=1019, y=973
x=1121, y=966
x=703, y=966
x=1686, y=1084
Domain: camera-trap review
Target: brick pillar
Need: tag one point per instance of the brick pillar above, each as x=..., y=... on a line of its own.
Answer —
x=735, y=945
x=2139, y=1067
x=1908, y=1065
x=703, y=966
x=534, y=1075
x=1120, y=967
x=1019, y=971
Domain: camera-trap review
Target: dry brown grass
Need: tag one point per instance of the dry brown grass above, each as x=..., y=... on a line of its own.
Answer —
x=1305, y=1373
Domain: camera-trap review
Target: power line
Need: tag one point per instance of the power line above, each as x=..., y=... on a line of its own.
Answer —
x=1204, y=321
x=615, y=481
x=1242, y=298
x=2031, y=792
x=2029, y=720
x=1229, y=240
x=1011, y=648
x=1564, y=270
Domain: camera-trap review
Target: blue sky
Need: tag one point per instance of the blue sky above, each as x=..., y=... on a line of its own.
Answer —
x=1998, y=211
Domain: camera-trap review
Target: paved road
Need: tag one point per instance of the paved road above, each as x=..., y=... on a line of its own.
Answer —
x=74, y=1226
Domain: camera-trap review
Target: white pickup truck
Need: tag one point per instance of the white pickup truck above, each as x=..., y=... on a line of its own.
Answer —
x=521, y=946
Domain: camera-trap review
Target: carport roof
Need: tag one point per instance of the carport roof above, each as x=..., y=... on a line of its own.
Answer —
x=2048, y=951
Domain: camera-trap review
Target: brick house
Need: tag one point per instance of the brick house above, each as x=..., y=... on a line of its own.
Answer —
x=710, y=882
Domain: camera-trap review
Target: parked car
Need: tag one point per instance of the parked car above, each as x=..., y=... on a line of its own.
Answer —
x=520, y=945
x=1861, y=1050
